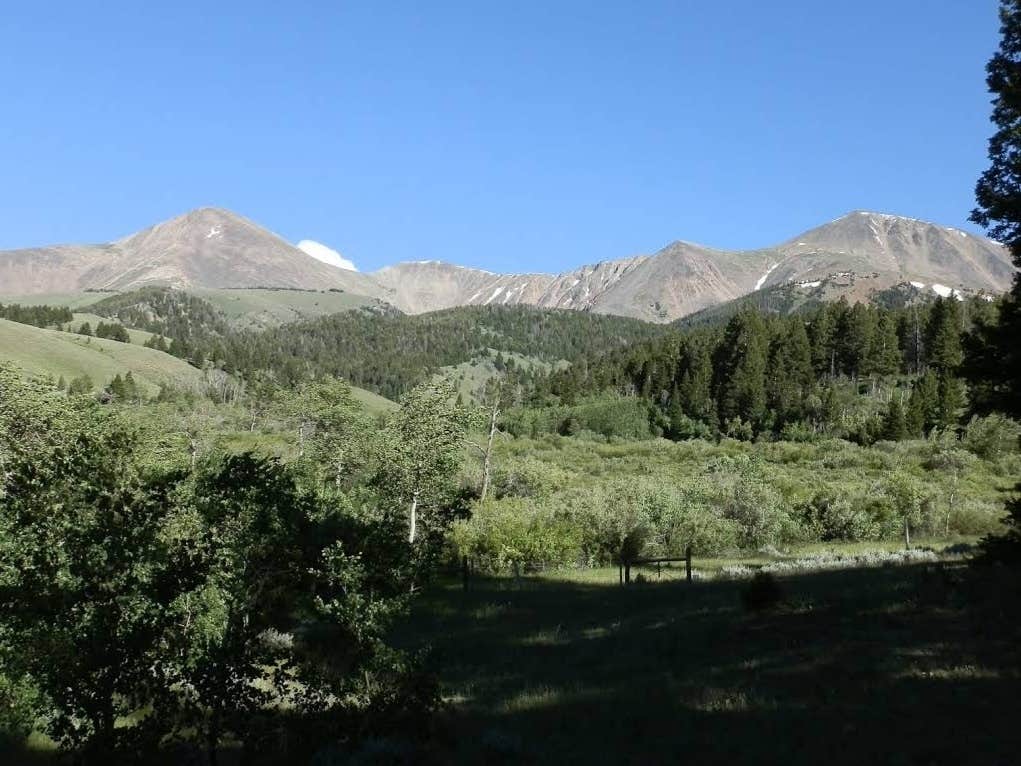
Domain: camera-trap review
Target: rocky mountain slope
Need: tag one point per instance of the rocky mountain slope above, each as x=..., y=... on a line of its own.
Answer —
x=213, y=248
x=858, y=253
x=208, y=247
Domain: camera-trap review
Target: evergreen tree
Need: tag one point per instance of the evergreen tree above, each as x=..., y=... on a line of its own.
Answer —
x=85, y=329
x=895, y=426
x=923, y=404
x=943, y=335
x=994, y=352
x=950, y=400
x=856, y=331
x=822, y=330
x=885, y=354
x=740, y=369
x=696, y=383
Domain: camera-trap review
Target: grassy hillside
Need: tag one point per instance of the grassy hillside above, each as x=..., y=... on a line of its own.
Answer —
x=138, y=337
x=75, y=300
x=268, y=308
x=51, y=352
x=374, y=403
x=244, y=309
x=471, y=377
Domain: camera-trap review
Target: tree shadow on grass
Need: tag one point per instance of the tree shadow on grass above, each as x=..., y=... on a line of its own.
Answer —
x=872, y=666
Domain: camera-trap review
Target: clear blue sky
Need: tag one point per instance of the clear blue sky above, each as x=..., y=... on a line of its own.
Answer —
x=525, y=135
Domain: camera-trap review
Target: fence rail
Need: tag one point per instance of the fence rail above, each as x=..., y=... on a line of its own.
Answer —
x=624, y=568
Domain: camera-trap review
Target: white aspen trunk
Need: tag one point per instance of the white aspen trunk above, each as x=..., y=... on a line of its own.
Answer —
x=413, y=526
x=488, y=458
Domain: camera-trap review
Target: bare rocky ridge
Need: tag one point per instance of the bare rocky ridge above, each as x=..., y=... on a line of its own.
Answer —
x=213, y=248
x=208, y=247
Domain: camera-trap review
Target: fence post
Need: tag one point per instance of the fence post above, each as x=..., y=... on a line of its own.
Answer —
x=465, y=572
x=907, y=534
x=687, y=563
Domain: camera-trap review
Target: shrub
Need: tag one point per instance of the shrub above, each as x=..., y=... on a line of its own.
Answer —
x=992, y=436
x=760, y=512
x=762, y=593
x=841, y=518
x=799, y=432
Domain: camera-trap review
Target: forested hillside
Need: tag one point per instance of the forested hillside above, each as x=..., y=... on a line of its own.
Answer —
x=858, y=371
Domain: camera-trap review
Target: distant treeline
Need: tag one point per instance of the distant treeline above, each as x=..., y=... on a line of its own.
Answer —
x=39, y=316
x=383, y=351
x=763, y=373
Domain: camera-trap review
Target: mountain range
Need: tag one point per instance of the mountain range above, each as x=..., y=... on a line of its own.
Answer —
x=214, y=248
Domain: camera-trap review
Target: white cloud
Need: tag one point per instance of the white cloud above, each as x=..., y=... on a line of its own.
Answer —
x=325, y=254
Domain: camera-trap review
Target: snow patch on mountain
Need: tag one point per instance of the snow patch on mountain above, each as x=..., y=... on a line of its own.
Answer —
x=325, y=254
x=762, y=279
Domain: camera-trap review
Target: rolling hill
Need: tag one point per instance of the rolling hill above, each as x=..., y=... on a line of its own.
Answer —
x=51, y=352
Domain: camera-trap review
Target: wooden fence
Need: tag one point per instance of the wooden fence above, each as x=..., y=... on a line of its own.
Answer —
x=467, y=570
x=624, y=568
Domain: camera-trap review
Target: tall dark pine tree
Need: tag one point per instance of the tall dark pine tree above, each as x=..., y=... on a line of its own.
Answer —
x=740, y=369
x=994, y=355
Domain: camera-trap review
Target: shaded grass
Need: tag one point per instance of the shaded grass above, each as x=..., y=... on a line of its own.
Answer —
x=889, y=665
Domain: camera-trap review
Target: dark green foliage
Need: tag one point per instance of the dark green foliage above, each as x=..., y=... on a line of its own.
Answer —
x=740, y=369
x=244, y=601
x=762, y=593
x=390, y=353
x=80, y=385
x=85, y=329
x=608, y=416
x=91, y=580
x=994, y=355
x=824, y=371
x=895, y=425
x=40, y=316
x=112, y=331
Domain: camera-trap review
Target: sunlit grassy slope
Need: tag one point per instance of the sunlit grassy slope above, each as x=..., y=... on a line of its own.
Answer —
x=255, y=308
x=73, y=301
x=471, y=377
x=51, y=352
x=267, y=308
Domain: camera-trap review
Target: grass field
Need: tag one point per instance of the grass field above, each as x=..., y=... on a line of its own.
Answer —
x=267, y=308
x=470, y=378
x=138, y=337
x=255, y=309
x=913, y=664
x=72, y=301
x=51, y=352
x=894, y=665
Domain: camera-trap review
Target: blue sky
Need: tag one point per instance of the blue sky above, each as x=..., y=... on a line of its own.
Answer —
x=510, y=136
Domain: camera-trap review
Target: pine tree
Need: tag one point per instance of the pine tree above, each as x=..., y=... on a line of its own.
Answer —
x=855, y=333
x=994, y=352
x=131, y=391
x=740, y=370
x=950, y=400
x=895, y=426
x=821, y=330
x=943, y=335
x=923, y=404
x=696, y=384
x=885, y=355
